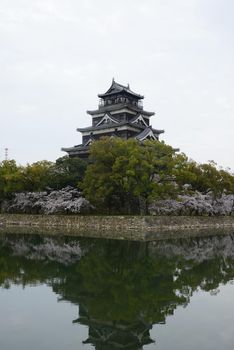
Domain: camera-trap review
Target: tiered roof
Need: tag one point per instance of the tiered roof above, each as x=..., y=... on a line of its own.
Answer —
x=119, y=114
x=117, y=107
x=117, y=88
x=138, y=127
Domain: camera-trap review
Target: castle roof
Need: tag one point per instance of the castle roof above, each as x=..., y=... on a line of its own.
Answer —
x=118, y=106
x=141, y=127
x=117, y=88
x=110, y=125
x=149, y=132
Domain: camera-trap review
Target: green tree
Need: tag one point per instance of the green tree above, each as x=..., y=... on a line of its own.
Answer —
x=38, y=176
x=203, y=177
x=68, y=172
x=126, y=175
x=10, y=178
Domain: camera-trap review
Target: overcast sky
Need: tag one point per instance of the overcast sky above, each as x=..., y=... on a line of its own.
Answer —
x=57, y=55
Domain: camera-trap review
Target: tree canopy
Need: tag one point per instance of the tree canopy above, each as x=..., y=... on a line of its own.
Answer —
x=127, y=174
x=40, y=176
x=120, y=176
x=203, y=177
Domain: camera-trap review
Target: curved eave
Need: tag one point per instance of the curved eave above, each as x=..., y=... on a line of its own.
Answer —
x=158, y=131
x=67, y=149
x=131, y=93
x=119, y=106
x=75, y=150
x=149, y=131
x=110, y=125
x=117, y=88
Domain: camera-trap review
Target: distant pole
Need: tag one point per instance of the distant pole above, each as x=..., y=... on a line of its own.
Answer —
x=6, y=153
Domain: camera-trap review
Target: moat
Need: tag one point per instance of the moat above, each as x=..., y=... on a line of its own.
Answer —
x=84, y=293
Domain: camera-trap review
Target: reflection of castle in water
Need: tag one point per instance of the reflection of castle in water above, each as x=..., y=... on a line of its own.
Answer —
x=114, y=334
x=122, y=288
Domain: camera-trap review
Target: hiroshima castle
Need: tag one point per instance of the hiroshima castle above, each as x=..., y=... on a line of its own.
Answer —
x=120, y=114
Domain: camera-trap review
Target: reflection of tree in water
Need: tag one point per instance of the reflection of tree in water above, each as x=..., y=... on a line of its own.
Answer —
x=121, y=292
x=123, y=288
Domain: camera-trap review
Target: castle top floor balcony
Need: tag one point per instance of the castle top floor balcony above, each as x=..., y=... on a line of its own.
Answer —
x=119, y=100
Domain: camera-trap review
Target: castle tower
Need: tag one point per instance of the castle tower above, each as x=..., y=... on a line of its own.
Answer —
x=120, y=113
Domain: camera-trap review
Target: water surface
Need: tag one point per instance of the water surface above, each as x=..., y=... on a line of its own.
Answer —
x=71, y=293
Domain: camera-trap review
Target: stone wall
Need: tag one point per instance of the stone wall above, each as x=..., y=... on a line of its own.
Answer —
x=119, y=227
